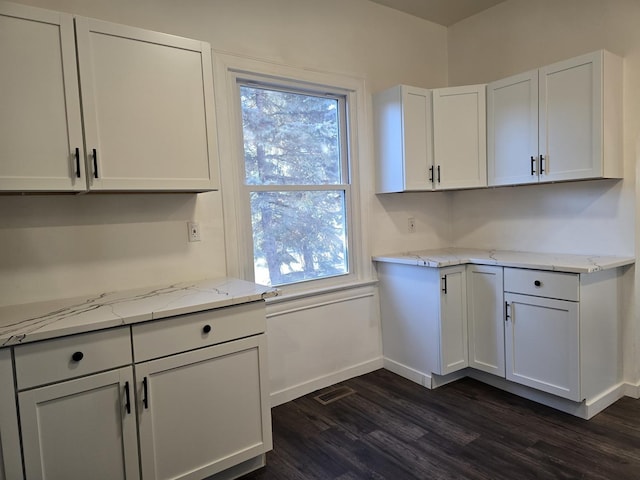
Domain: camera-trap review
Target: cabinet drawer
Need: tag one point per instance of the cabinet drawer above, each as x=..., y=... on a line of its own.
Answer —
x=68, y=357
x=563, y=286
x=187, y=332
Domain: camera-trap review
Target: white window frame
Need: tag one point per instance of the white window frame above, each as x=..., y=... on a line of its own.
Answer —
x=228, y=69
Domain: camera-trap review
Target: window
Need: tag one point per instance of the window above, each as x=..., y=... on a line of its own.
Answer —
x=296, y=182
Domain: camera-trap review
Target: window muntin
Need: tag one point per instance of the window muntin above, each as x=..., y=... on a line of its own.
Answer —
x=296, y=182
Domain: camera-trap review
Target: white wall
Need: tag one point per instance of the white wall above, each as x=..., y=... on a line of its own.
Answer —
x=63, y=245
x=586, y=217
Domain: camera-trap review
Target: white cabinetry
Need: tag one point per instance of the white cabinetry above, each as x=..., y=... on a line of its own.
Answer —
x=560, y=122
x=403, y=139
x=147, y=106
x=542, y=344
x=420, y=147
x=459, y=137
x=205, y=410
x=81, y=427
x=486, y=318
x=10, y=464
x=542, y=338
x=202, y=411
x=197, y=406
x=41, y=144
x=563, y=332
x=424, y=320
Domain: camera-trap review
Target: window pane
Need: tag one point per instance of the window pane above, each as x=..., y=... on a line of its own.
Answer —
x=298, y=235
x=290, y=138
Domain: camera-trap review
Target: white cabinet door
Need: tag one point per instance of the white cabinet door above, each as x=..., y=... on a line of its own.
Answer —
x=148, y=109
x=459, y=137
x=402, y=119
x=82, y=428
x=561, y=122
x=570, y=119
x=542, y=342
x=41, y=144
x=453, y=320
x=512, y=130
x=580, y=118
x=10, y=457
x=203, y=411
x=485, y=307
x=424, y=320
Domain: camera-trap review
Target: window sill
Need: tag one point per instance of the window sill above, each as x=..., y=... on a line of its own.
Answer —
x=285, y=296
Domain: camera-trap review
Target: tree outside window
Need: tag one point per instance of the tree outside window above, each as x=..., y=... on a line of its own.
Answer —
x=296, y=179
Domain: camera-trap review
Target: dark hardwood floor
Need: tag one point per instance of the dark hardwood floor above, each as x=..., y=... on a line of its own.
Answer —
x=393, y=429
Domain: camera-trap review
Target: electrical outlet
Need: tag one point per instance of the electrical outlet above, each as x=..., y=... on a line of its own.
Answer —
x=194, y=231
x=411, y=224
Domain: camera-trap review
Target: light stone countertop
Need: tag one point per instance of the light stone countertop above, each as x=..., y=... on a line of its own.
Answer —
x=558, y=262
x=38, y=321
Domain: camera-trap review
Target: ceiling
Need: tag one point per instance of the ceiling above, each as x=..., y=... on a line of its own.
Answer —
x=444, y=12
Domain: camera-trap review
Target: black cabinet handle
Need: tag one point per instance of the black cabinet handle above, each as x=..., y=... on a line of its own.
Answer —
x=533, y=162
x=127, y=404
x=77, y=162
x=541, y=164
x=537, y=283
x=95, y=163
x=431, y=174
x=145, y=393
x=438, y=173
x=506, y=312
x=77, y=356
x=444, y=287
x=206, y=329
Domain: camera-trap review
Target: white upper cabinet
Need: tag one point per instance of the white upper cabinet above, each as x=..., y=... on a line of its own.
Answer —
x=459, y=137
x=576, y=109
x=420, y=146
x=512, y=130
x=40, y=128
x=147, y=106
x=403, y=139
x=148, y=109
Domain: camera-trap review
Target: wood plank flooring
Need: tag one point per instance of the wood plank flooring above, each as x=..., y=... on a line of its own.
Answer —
x=393, y=429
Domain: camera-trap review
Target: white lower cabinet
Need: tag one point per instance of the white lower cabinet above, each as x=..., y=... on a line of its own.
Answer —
x=10, y=464
x=542, y=343
x=424, y=320
x=202, y=412
x=486, y=318
x=81, y=428
x=542, y=330
x=77, y=411
x=554, y=332
x=198, y=404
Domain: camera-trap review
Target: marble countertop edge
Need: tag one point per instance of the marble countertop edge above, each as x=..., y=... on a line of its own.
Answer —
x=569, y=263
x=36, y=321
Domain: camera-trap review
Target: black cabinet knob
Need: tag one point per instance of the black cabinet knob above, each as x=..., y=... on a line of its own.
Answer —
x=77, y=356
x=206, y=329
x=537, y=283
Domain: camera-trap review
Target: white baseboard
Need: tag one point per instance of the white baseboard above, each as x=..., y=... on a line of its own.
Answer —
x=291, y=393
x=597, y=404
x=632, y=390
x=585, y=409
x=409, y=373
